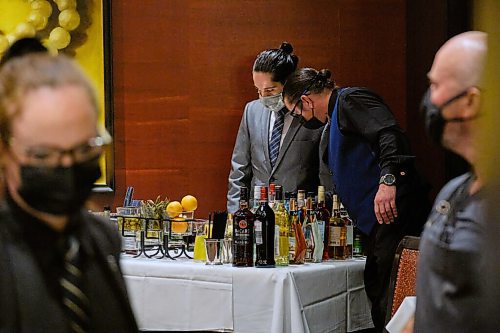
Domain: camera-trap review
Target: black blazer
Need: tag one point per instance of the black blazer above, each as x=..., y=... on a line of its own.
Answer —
x=27, y=306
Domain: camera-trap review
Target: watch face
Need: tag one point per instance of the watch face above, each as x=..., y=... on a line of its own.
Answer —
x=388, y=179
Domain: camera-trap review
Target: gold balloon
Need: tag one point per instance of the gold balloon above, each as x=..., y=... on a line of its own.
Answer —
x=42, y=6
x=11, y=38
x=65, y=4
x=59, y=38
x=25, y=29
x=4, y=44
x=69, y=19
x=38, y=20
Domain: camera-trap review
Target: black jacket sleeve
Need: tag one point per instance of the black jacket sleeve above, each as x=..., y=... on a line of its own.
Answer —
x=364, y=113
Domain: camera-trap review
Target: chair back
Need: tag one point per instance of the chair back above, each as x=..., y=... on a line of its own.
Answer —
x=404, y=274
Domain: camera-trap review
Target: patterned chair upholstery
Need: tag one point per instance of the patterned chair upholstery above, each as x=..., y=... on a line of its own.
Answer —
x=403, y=275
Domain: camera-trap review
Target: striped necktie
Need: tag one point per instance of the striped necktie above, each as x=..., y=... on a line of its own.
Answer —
x=274, y=144
x=75, y=302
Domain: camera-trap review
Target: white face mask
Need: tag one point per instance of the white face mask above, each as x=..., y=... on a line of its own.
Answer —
x=273, y=103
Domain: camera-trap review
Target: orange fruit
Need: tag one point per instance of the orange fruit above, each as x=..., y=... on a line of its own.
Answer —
x=174, y=208
x=179, y=226
x=189, y=203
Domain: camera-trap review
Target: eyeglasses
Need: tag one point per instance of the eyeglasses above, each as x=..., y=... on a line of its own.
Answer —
x=306, y=92
x=45, y=156
x=294, y=113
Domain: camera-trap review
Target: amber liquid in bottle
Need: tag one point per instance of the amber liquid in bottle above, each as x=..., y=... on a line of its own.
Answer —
x=300, y=242
x=338, y=233
x=307, y=227
x=349, y=231
x=243, y=233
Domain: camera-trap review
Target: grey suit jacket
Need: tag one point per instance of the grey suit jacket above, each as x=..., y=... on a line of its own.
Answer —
x=297, y=166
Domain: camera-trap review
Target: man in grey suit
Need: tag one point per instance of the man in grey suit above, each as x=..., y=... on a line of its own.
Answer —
x=271, y=146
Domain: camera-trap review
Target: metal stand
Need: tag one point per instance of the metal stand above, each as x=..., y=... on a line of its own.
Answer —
x=163, y=229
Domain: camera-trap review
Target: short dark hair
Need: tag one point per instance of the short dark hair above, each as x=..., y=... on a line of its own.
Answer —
x=306, y=80
x=22, y=47
x=279, y=62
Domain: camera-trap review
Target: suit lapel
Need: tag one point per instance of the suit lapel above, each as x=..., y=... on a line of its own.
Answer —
x=290, y=135
x=266, y=119
x=111, y=269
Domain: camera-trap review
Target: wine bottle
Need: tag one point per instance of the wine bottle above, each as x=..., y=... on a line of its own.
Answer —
x=264, y=232
x=256, y=198
x=243, y=232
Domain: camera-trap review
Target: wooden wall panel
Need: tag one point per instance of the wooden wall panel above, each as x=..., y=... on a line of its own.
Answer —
x=182, y=75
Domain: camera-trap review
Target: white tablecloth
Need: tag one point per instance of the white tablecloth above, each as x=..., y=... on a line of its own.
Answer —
x=182, y=295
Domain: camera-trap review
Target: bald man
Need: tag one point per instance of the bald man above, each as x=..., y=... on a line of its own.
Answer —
x=448, y=288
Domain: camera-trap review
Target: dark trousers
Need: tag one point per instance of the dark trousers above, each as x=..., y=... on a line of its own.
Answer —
x=380, y=248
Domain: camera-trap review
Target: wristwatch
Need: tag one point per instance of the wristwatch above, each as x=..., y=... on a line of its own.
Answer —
x=388, y=179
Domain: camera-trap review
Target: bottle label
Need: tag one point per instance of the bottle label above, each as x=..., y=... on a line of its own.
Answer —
x=258, y=232
x=321, y=226
x=129, y=243
x=335, y=236
x=350, y=235
x=242, y=224
x=276, y=240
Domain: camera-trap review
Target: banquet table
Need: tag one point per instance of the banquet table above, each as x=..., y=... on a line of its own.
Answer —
x=182, y=295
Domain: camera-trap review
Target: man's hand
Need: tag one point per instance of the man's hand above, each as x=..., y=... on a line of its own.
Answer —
x=385, y=204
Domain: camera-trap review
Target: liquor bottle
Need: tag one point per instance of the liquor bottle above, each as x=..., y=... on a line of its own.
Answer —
x=357, y=250
x=243, y=233
x=287, y=201
x=264, y=232
x=349, y=231
x=301, y=204
x=297, y=240
x=340, y=251
x=256, y=198
x=307, y=227
x=323, y=217
x=281, y=229
x=272, y=194
x=293, y=217
x=337, y=230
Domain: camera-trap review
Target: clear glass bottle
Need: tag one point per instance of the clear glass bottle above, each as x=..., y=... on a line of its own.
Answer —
x=323, y=217
x=335, y=228
x=264, y=232
x=298, y=253
x=307, y=226
x=243, y=232
x=282, y=229
x=349, y=231
x=301, y=204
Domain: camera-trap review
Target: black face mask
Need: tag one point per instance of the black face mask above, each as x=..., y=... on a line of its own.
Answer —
x=59, y=190
x=434, y=121
x=313, y=123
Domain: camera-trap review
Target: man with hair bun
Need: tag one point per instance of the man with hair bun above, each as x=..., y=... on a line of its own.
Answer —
x=271, y=146
x=373, y=169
